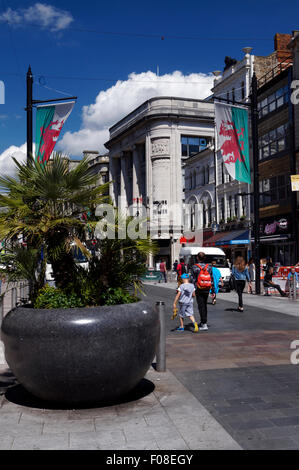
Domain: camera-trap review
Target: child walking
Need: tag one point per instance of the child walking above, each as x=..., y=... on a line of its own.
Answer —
x=186, y=292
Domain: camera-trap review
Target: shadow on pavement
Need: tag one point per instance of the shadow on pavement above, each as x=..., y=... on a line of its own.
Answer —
x=19, y=396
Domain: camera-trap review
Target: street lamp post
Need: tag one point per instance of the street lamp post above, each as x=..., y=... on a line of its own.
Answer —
x=254, y=132
x=29, y=83
x=256, y=193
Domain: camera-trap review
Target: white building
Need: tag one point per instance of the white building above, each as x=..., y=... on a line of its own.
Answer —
x=200, y=212
x=147, y=151
x=233, y=85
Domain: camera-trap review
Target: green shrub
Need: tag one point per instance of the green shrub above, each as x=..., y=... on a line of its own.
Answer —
x=117, y=296
x=51, y=297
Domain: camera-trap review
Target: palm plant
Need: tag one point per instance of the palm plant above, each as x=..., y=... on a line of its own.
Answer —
x=44, y=205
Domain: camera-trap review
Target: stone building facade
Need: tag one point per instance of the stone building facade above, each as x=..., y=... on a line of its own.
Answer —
x=200, y=195
x=99, y=165
x=147, y=153
x=234, y=202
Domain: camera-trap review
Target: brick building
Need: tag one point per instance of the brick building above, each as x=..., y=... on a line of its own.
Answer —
x=276, y=158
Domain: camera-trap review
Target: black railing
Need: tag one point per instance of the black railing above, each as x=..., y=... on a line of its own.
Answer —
x=278, y=69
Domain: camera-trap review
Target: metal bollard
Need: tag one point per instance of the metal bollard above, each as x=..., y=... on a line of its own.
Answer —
x=161, y=349
x=13, y=297
x=294, y=288
x=1, y=308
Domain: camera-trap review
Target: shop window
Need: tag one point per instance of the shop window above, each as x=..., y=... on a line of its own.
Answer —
x=273, y=142
x=273, y=101
x=275, y=190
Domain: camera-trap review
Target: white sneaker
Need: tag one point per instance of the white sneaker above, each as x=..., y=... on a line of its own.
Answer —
x=204, y=327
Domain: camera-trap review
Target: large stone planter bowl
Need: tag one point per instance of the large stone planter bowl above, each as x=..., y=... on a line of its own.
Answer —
x=80, y=355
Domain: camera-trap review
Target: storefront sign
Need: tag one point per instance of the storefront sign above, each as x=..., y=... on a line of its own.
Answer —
x=279, y=225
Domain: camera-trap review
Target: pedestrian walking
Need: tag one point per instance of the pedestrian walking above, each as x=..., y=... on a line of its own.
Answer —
x=251, y=270
x=215, y=284
x=269, y=283
x=292, y=280
x=182, y=268
x=184, y=297
x=175, y=265
x=163, y=271
x=201, y=276
x=240, y=274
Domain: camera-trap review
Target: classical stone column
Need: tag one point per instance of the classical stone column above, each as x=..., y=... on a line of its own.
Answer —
x=160, y=159
x=114, y=176
x=225, y=207
x=136, y=190
x=123, y=203
x=240, y=208
x=200, y=215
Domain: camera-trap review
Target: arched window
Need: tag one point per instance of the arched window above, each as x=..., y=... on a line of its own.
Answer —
x=230, y=203
x=208, y=174
x=222, y=209
x=204, y=215
x=236, y=206
x=210, y=213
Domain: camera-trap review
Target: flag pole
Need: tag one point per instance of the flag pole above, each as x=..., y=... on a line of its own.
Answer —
x=256, y=191
x=30, y=102
x=29, y=83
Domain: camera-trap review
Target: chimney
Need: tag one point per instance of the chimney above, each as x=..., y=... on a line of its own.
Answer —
x=281, y=42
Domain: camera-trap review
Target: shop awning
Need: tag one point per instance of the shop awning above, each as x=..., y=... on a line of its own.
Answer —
x=234, y=237
x=212, y=240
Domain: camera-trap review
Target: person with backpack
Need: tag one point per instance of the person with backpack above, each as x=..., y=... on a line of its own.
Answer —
x=240, y=274
x=182, y=268
x=202, y=278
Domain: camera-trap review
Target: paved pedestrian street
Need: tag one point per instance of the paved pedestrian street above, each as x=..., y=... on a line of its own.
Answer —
x=240, y=369
x=232, y=387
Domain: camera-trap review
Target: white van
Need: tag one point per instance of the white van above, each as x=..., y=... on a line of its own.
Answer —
x=212, y=254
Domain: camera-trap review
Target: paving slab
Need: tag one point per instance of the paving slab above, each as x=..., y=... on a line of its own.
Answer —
x=159, y=420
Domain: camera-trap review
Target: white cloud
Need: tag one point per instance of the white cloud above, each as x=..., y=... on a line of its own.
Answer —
x=112, y=105
x=41, y=14
x=7, y=165
x=117, y=101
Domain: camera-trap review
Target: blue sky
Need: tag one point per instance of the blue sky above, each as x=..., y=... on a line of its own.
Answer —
x=197, y=36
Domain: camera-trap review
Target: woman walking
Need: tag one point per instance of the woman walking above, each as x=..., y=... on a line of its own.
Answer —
x=241, y=274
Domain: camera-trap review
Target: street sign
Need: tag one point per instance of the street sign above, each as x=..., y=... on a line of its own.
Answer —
x=295, y=182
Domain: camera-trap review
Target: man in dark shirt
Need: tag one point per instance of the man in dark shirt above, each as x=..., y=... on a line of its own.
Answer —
x=201, y=294
x=269, y=283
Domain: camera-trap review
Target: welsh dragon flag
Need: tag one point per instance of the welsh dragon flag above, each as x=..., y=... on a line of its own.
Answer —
x=49, y=122
x=232, y=140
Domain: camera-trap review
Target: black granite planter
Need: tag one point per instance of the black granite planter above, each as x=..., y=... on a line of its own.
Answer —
x=80, y=355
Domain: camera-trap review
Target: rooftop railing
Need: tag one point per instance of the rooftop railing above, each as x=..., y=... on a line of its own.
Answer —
x=277, y=70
